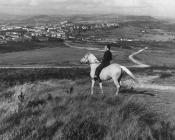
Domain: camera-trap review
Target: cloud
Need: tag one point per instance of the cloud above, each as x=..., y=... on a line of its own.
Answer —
x=150, y=7
x=120, y=3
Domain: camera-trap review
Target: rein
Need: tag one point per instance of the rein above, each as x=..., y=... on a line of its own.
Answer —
x=97, y=62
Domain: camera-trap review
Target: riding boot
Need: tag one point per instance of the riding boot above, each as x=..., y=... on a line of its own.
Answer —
x=99, y=80
x=96, y=77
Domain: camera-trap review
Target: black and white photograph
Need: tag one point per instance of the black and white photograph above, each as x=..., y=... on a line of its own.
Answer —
x=87, y=69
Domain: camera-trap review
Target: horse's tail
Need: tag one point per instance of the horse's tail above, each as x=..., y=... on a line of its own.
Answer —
x=129, y=73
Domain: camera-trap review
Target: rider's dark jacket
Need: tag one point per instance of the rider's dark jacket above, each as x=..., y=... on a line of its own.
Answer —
x=105, y=62
x=106, y=58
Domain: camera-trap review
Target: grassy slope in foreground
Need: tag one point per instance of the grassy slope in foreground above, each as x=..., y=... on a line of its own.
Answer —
x=65, y=110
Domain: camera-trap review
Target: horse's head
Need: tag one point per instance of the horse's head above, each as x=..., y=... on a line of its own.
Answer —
x=85, y=59
x=89, y=58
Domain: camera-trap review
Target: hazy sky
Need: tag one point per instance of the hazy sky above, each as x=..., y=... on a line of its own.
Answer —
x=140, y=7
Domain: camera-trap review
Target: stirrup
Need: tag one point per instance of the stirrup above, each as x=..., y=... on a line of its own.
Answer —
x=99, y=80
x=96, y=77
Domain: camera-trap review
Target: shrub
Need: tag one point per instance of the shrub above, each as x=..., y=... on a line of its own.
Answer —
x=85, y=129
x=36, y=102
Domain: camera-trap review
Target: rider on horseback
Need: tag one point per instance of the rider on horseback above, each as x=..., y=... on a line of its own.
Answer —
x=105, y=62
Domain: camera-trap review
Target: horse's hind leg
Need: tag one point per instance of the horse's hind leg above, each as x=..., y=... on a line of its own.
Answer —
x=101, y=87
x=120, y=77
x=117, y=85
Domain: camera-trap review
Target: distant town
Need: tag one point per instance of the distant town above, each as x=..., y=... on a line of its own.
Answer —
x=48, y=32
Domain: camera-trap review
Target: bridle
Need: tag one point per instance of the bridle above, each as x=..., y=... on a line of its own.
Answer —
x=95, y=62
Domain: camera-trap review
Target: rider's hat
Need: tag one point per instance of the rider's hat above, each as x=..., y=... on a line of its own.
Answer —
x=108, y=46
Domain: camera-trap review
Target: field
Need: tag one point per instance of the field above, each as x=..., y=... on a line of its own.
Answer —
x=57, y=55
x=47, y=54
x=56, y=104
x=12, y=46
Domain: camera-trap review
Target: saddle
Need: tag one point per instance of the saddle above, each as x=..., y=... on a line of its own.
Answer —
x=97, y=79
x=97, y=73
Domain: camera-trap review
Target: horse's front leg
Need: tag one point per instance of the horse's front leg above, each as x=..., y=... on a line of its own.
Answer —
x=101, y=87
x=92, y=86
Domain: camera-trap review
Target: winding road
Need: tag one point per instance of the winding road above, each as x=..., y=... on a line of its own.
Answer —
x=137, y=62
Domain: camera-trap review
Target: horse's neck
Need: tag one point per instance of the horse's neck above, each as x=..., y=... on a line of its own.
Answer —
x=94, y=63
x=93, y=67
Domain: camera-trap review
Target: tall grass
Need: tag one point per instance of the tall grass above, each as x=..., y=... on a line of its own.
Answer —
x=11, y=77
x=49, y=112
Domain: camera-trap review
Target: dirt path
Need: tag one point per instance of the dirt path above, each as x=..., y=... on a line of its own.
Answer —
x=137, y=62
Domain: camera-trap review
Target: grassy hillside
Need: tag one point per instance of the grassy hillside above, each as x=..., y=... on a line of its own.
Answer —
x=39, y=106
x=12, y=77
x=65, y=110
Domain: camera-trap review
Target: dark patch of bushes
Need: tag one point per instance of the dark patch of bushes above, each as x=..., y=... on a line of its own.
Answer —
x=59, y=110
x=69, y=90
x=84, y=129
x=82, y=97
x=165, y=75
x=13, y=46
x=113, y=101
x=130, y=108
x=15, y=119
x=46, y=133
x=164, y=132
x=82, y=81
x=36, y=130
x=49, y=97
x=57, y=99
x=36, y=102
x=20, y=76
x=6, y=95
x=148, y=118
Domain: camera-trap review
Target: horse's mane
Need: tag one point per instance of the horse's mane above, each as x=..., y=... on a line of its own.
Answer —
x=95, y=58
